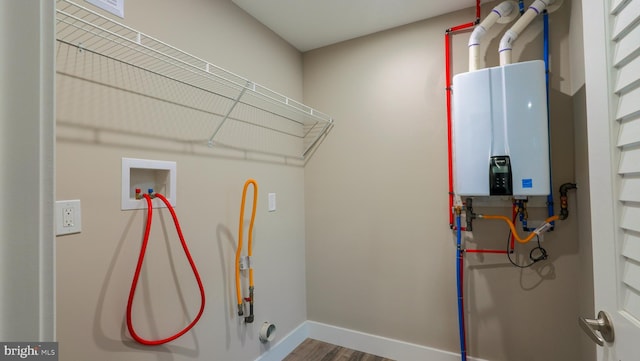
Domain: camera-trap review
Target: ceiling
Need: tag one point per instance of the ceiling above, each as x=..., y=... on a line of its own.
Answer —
x=310, y=24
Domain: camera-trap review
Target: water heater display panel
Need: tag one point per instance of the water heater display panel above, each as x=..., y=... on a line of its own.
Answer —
x=500, y=177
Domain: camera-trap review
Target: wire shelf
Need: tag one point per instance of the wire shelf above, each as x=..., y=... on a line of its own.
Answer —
x=241, y=101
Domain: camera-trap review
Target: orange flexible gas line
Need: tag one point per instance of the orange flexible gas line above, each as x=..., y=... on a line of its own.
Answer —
x=514, y=232
x=249, y=244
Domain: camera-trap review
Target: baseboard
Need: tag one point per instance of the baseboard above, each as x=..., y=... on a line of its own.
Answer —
x=377, y=345
x=288, y=343
x=355, y=340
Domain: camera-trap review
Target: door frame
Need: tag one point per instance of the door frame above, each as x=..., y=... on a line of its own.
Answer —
x=27, y=138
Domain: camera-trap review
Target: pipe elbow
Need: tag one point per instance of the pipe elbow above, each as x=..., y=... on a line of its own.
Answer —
x=564, y=206
x=540, y=5
x=477, y=34
x=504, y=9
x=566, y=187
x=509, y=37
x=474, y=47
x=499, y=12
x=512, y=34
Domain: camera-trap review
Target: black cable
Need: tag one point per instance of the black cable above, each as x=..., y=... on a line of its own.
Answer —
x=532, y=254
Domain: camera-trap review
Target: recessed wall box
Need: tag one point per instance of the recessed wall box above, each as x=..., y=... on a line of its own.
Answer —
x=145, y=174
x=500, y=131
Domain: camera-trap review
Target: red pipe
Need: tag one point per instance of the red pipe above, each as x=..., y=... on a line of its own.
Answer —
x=447, y=41
x=462, y=26
x=136, y=275
x=498, y=251
x=447, y=44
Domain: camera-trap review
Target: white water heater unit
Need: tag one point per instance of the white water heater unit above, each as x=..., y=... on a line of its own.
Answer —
x=500, y=131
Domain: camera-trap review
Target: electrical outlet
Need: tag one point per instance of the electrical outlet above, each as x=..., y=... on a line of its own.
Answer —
x=68, y=217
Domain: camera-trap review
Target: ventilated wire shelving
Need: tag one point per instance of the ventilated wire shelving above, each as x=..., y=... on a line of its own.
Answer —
x=240, y=113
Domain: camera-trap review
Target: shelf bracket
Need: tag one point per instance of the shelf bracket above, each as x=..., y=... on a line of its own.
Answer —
x=237, y=100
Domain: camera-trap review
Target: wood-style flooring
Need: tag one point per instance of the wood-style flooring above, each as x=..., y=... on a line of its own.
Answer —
x=314, y=350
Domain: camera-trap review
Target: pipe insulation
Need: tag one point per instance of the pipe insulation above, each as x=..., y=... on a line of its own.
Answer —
x=512, y=34
x=503, y=13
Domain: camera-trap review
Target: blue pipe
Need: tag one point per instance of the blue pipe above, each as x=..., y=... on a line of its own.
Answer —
x=459, y=265
x=545, y=20
x=521, y=5
x=523, y=220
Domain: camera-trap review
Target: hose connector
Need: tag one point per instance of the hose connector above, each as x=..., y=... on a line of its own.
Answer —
x=240, y=309
x=249, y=318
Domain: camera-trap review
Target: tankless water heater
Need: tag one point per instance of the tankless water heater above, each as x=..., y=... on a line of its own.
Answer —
x=500, y=131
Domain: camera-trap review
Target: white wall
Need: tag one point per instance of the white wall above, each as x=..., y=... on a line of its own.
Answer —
x=27, y=284
x=380, y=255
x=98, y=125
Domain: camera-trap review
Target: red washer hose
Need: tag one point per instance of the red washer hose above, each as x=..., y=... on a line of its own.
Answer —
x=136, y=275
